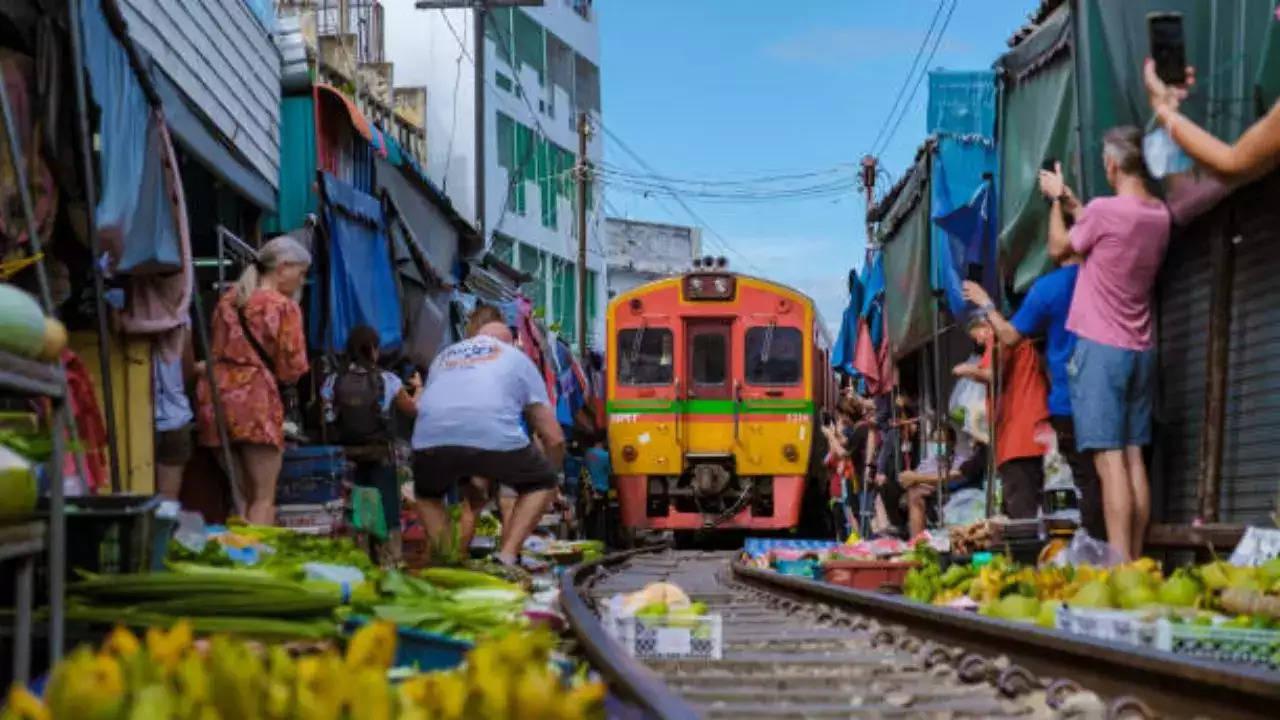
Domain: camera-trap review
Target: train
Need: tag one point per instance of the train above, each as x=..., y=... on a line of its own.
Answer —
x=717, y=383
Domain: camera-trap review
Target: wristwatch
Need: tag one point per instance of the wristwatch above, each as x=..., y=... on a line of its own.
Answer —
x=986, y=309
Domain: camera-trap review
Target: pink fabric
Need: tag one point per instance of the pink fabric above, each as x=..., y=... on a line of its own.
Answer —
x=159, y=304
x=876, y=365
x=1123, y=239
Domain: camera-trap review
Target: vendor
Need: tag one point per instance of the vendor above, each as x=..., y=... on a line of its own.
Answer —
x=964, y=468
x=469, y=427
x=258, y=346
x=358, y=405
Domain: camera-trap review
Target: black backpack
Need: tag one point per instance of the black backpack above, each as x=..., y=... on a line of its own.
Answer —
x=357, y=404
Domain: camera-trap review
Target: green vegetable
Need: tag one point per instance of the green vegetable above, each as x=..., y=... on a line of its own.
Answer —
x=447, y=577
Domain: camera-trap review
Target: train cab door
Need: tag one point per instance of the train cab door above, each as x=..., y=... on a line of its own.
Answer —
x=710, y=387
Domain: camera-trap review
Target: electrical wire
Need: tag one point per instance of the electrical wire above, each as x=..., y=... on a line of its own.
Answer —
x=453, y=125
x=937, y=41
x=910, y=73
x=711, y=232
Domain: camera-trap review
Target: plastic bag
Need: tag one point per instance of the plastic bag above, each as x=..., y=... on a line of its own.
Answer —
x=1060, y=492
x=965, y=507
x=968, y=406
x=366, y=512
x=1084, y=550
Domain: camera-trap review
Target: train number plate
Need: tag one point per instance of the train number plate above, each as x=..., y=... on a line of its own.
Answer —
x=797, y=418
x=624, y=418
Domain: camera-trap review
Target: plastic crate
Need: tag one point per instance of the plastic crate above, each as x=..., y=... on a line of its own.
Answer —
x=668, y=637
x=868, y=574
x=1131, y=627
x=422, y=650
x=108, y=534
x=1240, y=646
x=312, y=518
x=309, y=490
x=799, y=568
x=314, y=461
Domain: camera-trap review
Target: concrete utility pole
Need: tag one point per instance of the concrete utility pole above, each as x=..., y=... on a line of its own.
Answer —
x=582, y=172
x=480, y=13
x=868, y=179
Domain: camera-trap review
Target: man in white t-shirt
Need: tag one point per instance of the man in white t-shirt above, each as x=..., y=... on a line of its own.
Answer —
x=469, y=426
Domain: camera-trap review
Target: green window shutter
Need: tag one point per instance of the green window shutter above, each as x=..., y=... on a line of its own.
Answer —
x=498, y=29
x=530, y=45
x=532, y=262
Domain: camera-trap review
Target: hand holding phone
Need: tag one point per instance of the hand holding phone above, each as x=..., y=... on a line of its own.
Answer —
x=1168, y=46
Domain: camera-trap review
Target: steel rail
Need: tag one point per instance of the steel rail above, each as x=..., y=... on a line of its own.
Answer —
x=635, y=682
x=1171, y=685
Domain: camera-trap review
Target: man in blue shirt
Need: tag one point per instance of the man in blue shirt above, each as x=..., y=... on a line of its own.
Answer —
x=1044, y=312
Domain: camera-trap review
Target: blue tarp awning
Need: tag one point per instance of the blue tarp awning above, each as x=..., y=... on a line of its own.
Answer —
x=964, y=218
x=360, y=288
x=843, y=353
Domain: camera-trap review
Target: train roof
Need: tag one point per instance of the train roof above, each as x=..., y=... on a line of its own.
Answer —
x=652, y=285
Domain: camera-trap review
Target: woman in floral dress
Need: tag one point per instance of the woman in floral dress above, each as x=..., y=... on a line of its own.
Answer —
x=249, y=378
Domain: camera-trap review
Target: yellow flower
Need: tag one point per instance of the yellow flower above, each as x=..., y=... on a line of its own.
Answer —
x=167, y=648
x=22, y=705
x=121, y=643
x=373, y=645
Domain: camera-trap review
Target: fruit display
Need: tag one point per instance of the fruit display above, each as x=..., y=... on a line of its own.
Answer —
x=169, y=675
x=1216, y=592
x=968, y=539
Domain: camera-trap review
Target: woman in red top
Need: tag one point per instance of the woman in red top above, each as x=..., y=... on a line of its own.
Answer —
x=1023, y=405
x=249, y=377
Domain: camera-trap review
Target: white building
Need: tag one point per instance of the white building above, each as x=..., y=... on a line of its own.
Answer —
x=641, y=251
x=541, y=68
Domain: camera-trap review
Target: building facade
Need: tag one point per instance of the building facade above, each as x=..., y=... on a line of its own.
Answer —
x=640, y=251
x=541, y=69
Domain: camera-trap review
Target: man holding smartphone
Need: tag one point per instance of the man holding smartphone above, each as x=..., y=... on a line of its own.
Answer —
x=1044, y=312
x=1112, y=371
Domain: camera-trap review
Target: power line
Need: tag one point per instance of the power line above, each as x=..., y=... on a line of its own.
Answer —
x=453, y=125
x=679, y=200
x=910, y=73
x=937, y=41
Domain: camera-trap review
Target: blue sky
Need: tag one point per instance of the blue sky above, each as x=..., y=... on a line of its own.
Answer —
x=726, y=88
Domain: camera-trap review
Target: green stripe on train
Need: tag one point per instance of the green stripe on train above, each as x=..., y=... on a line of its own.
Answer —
x=711, y=407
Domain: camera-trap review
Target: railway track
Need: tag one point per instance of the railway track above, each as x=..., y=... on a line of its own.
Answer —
x=798, y=649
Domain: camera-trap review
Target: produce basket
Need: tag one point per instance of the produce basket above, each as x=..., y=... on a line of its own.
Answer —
x=418, y=649
x=313, y=518
x=1245, y=646
x=113, y=534
x=868, y=574
x=799, y=568
x=1131, y=627
x=669, y=636
x=312, y=475
x=1219, y=643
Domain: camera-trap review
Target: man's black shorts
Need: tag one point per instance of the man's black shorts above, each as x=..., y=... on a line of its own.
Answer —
x=436, y=470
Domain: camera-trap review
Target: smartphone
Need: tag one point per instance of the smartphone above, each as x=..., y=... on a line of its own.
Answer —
x=1049, y=165
x=1168, y=46
x=973, y=273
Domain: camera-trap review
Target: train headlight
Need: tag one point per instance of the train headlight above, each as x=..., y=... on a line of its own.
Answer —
x=790, y=452
x=629, y=453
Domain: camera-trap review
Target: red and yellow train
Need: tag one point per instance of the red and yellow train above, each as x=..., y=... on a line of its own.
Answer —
x=717, y=381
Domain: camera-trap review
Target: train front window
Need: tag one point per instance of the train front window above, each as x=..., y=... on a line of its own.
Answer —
x=775, y=356
x=708, y=359
x=646, y=356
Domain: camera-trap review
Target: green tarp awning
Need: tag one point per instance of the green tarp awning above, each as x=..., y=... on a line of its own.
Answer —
x=908, y=299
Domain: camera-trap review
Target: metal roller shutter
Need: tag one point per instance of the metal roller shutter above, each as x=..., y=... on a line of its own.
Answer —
x=1183, y=309
x=1251, y=455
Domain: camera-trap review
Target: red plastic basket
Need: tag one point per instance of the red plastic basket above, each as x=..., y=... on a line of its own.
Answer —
x=867, y=575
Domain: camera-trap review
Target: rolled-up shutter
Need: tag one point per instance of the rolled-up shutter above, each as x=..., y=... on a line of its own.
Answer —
x=1183, y=323
x=1251, y=457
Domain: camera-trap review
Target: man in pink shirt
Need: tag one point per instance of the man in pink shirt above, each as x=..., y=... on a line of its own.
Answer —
x=1112, y=372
